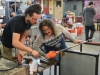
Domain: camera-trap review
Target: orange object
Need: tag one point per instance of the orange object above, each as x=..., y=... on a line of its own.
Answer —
x=72, y=31
x=52, y=54
x=79, y=30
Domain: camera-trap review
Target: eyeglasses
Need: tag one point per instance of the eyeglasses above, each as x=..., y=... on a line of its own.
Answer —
x=34, y=19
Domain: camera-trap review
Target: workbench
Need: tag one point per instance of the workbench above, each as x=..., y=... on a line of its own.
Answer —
x=24, y=70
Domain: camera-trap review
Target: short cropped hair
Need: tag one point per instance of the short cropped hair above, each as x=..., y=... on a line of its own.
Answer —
x=90, y=3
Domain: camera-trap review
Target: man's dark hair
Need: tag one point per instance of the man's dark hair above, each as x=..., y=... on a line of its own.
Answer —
x=49, y=23
x=34, y=8
x=90, y=3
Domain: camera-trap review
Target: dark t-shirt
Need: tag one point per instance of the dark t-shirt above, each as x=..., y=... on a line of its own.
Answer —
x=88, y=14
x=14, y=25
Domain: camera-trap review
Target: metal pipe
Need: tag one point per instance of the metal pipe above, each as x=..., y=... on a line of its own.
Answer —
x=73, y=46
x=15, y=6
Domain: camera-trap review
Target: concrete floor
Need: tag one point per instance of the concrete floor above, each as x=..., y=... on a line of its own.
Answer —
x=92, y=49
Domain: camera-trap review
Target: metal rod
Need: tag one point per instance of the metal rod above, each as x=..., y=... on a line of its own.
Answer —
x=15, y=6
x=40, y=56
x=81, y=48
x=50, y=71
x=73, y=46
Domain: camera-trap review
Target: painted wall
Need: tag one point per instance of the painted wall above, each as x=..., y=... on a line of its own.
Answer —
x=96, y=6
x=55, y=12
x=74, y=6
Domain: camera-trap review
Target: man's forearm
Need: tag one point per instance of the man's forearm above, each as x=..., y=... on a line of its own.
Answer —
x=22, y=41
x=21, y=46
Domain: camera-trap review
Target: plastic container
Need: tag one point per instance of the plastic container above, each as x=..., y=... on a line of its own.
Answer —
x=79, y=30
x=33, y=66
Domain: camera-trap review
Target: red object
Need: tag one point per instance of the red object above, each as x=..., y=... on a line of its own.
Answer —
x=79, y=30
x=52, y=54
x=72, y=31
x=65, y=20
x=35, y=37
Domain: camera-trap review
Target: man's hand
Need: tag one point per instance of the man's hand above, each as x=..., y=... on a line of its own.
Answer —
x=20, y=56
x=35, y=53
x=57, y=52
x=47, y=57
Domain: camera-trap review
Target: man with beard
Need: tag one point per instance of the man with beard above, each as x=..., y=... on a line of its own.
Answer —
x=15, y=32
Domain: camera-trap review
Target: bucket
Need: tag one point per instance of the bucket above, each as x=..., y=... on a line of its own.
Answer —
x=79, y=30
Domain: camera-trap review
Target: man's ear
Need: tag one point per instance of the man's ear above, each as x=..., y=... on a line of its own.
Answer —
x=28, y=16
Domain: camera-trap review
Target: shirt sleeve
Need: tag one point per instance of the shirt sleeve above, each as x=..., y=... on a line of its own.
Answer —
x=94, y=12
x=16, y=26
x=37, y=44
x=66, y=33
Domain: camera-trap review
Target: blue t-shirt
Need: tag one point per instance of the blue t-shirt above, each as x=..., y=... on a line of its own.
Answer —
x=64, y=16
x=55, y=44
x=18, y=12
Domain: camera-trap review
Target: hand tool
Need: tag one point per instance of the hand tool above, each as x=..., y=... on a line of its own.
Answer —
x=52, y=54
